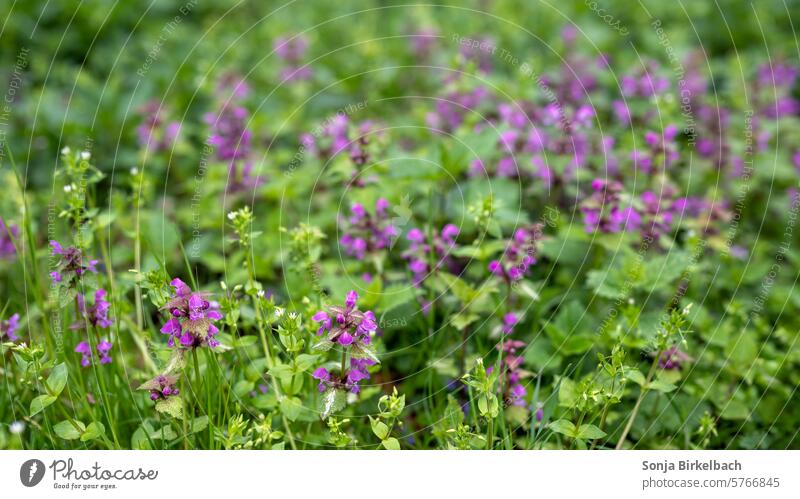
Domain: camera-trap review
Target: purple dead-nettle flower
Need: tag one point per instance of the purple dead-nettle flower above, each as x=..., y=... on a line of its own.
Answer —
x=672, y=358
x=365, y=233
x=347, y=325
x=162, y=387
x=419, y=254
x=71, y=264
x=509, y=321
x=292, y=50
x=356, y=373
x=85, y=350
x=8, y=328
x=422, y=42
x=519, y=255
x=453, y=107
x=153, y=133
x=661, y=152
x=645, y=84
x=604, y=212
x=8, y=233
x=776, y=82
x=192, y=318
x=97, y=313
x=103, y=348
x=513, y=390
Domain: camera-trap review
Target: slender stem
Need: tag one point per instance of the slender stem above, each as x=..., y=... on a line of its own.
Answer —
x=638, y=404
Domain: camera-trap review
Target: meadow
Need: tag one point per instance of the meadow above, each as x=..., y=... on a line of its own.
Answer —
x=469, y=225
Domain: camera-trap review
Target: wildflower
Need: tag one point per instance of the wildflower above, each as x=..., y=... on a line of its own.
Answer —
x=509, y=321
x=347, y=325
x=17, y=427
x=366, y=233
x=603, y=211
x=349, y=381
x=514, y=390
x=161, y=387
x=291, y=51
x=8, y=328
x=85, y=350
x=103, y=348
x=193, y=316
x=97, y=314
x=442, y=245
x=71, y=266
x=672, y=358
x=519, y=255
x=8, y=232
x=151, y=133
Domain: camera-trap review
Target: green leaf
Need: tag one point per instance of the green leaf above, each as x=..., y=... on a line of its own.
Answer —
x=198, y=424
x=94, y=430
x=39, y=403
x=391, y=444
x=589, y=432
x=291, y=407
x=57, y=379
x=172, y=406
x=379, y=428
x=563, y=426
x=661, y=386
x=332, y=401
x=306, y=361
x=323, y=345
x=68, y=431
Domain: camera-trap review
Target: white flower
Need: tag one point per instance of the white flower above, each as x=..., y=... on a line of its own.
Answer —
x=134, y=171
x=16, y=427
x=86, y=155
x=279, y=312
x=68, y=188
x=66, y=150
x=231, y=215
x=260, y=293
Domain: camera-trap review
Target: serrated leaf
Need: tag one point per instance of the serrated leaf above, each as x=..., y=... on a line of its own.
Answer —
x=172, y=406
x=68, y=431
x=323, y=345
x=332, y=401
x=39, y=403
x=306, y=361
x=198, y=424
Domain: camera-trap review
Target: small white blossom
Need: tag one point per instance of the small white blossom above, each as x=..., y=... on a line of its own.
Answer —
x=16, y=427
x=86, y=155
x=66, y=150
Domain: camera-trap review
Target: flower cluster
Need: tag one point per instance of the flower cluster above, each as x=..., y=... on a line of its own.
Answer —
x=661, y=153
x=347, y=325
x=603, y=210
x=357, y=372
x=519, y=255
x=365, y=233
x=421, y=251
x=103, y=348
x=71, y=264
x=672, y=358
x=291, y=51
x=8, y=328
x=162, y=386
x=232, y=138
x=513, y=390
x=7, y=235
x=193, y=316
x=96, y=314
x=153, y=135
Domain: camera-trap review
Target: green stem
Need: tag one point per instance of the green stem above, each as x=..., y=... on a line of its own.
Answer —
x=638, y=404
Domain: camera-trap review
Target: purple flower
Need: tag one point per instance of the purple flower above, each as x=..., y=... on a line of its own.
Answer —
x=672, y=358
x=365, y=233
x=509, y=321
x=102, y=350
x=7, y=235
x=351, y=325
x=192, y=318
x=162, y=387
x=514, y=390
x=8, y=327
x=97, y=314
x=85, y=350
x=519, y=255
x=71, y=265
x=152, y=132
x=419, y=250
